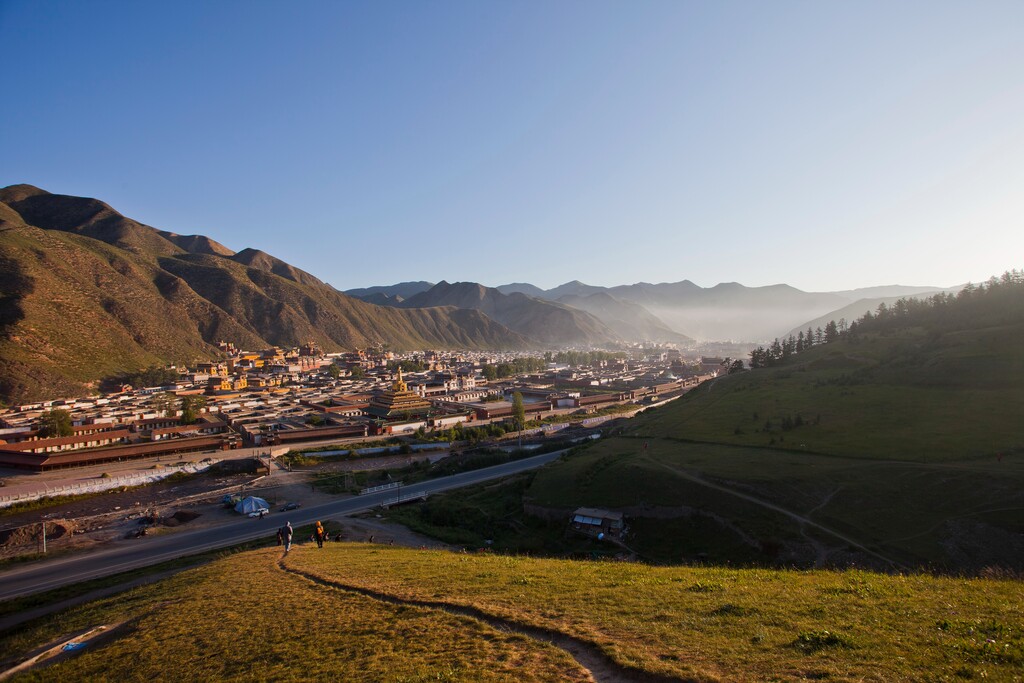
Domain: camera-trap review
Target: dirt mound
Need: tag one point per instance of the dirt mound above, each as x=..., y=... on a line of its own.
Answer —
x=179, y=517
x=32, y=533
x=60, y=528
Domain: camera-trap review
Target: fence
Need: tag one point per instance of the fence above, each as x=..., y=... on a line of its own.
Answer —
x=382, y=487
x=107, y=483
x=404, y=498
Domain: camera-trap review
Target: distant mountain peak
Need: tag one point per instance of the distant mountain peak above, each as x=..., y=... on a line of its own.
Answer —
x=197, y=244
x=522, y=288
x=16, y=193
x=404, y=290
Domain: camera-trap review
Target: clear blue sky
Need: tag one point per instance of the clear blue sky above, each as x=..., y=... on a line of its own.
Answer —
x=829, y=145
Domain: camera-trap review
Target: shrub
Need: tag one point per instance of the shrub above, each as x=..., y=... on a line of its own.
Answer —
x=812, y=641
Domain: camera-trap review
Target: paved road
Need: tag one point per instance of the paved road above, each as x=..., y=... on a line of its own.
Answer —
x=41, y=576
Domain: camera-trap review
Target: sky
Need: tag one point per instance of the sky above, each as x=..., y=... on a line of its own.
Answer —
x=827, y=145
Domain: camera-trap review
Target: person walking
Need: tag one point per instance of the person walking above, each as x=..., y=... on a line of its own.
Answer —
x=286, y=536
x=319, y=534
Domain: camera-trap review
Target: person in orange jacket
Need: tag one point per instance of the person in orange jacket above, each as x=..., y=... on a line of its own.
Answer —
x=319, y=534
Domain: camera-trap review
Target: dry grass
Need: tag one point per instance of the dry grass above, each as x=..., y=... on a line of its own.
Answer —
x=245, y=618
x=723, y=624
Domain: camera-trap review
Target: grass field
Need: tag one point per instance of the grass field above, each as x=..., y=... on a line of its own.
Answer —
x=964, y=515
x=902, y=449
x=902, y=397
x=365, y=612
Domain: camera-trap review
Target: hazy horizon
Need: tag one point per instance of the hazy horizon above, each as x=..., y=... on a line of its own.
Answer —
x=495, y=285
x=829, y=147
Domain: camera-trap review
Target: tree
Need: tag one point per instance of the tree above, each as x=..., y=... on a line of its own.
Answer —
x=831, y=332
x=357, y=372
x=55, y=422
x=191, y=406
x=490, y=372
x=334, y=371
x=518, y=410
x=165, y=404
x=736, y=366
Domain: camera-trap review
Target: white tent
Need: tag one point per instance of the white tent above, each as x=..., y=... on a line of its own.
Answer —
x=251, y=504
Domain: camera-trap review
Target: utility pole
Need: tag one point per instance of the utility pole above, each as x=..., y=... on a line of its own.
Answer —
x=44, y=537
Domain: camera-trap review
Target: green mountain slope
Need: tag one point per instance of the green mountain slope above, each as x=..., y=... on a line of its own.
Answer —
x=86, y=293
x=897, y=446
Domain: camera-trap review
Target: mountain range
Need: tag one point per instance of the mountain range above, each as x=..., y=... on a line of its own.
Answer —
x=86, y=293
x=678, y=312
x=549, y=322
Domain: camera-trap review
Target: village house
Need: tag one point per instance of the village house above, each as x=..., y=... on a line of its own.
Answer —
x=598, y=523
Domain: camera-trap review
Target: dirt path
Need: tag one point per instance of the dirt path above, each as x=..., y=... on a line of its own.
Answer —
x=381, y=531
x=600, y=667
x=353, y=529
x=781, y=510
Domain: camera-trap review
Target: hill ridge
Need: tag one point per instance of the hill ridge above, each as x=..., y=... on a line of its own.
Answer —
x=97, y=293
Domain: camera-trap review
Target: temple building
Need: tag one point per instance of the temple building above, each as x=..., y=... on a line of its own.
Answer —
x=398, y=403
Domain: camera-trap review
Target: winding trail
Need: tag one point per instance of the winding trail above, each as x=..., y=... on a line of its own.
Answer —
x=600, y=667
x=781, y=510
x=825, y=501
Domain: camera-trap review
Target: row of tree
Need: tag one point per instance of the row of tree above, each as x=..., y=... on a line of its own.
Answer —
x=190, y=406
x=779, y=352
x=516, y=366
x=994, y=302
x=582, y=358
x=406, y=366
x=153, y=376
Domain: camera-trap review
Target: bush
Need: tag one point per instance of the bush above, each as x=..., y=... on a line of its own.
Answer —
x=812, y=641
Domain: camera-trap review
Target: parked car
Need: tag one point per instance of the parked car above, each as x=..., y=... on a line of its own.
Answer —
x=291, y=506
x=259, y=513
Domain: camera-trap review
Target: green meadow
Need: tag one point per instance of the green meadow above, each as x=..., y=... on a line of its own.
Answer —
x=895, y=449
x=368, y=612
x=914, y=514
x=907, y=396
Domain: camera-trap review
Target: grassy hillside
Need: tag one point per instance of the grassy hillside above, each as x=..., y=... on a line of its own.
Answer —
x=87, y=293
x=909, y=395
x=364, y=612
x=896, y=446
x=712, y=502
x=78, y=309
